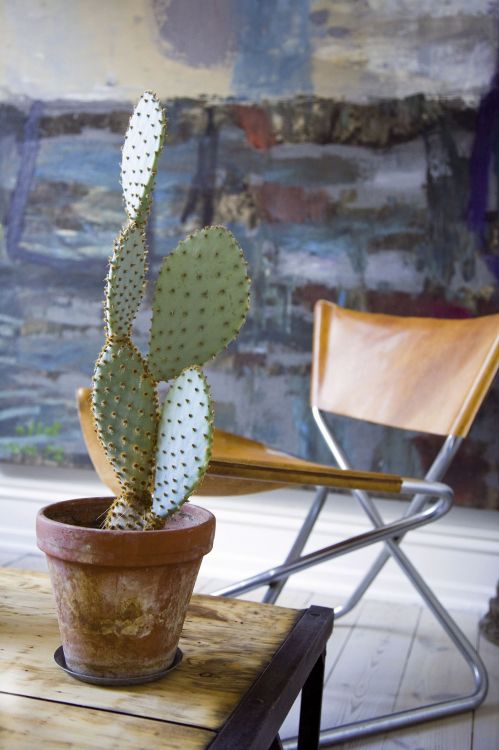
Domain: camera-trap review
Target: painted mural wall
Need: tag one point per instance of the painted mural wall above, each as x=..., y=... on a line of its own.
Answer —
x=350, y=147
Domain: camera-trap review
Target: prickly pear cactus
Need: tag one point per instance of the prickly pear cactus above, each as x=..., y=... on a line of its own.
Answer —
x=201, y=299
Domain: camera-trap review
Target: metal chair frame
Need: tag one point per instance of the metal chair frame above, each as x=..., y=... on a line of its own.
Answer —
x=391, y=534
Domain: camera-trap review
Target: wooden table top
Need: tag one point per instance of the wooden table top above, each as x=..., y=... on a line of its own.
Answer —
x=227, y=644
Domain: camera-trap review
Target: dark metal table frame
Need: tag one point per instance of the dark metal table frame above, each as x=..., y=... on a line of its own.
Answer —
x=298, y=664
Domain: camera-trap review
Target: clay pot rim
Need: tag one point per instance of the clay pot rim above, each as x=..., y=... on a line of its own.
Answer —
x=118, y=532
x=121, y=547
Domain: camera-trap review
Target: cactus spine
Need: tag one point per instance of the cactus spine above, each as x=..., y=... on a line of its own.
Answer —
x=200, y=302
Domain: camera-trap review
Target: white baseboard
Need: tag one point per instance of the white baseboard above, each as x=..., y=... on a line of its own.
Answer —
x=458, y=555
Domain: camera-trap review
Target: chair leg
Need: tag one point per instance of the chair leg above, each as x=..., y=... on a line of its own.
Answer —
x=361, y=588
x=389, y=531
x=428, y=712
x=414, y=507
x=435, y=473
x=276, y=587
x=400, y=719
x=439, y=710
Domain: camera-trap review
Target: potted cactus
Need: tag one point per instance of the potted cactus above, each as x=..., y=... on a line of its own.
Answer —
x=123, y=569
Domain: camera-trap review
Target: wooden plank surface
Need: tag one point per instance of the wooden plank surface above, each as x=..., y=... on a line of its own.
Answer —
x=365, y=679
x=289, y=597
x=226, y=644
x=435, y=672
x=29, y=723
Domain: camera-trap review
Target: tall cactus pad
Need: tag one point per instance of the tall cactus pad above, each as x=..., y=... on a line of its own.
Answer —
x=125, y=281
x=184, y=441
x=125, y=406
x=200, y=302
x=144, y=141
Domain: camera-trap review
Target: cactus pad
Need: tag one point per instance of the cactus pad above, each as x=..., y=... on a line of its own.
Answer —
x=126, y=413
x=200, y=302
x=184, y=441
x=125, y=281
x=130, y=512
x=144, y=141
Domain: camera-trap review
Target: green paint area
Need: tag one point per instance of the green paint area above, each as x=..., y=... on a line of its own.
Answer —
x=35, y=444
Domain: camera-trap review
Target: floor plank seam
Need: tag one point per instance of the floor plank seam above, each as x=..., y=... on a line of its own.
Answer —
x=106, y=710
x=407, y=658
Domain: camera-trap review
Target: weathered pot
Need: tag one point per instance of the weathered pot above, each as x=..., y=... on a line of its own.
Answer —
x=121, y=596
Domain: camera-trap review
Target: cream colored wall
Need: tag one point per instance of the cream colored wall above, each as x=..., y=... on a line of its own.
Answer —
x=113, y=49
x=91, y=50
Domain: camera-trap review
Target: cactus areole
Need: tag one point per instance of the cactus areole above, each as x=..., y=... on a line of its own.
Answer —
x=124, y=569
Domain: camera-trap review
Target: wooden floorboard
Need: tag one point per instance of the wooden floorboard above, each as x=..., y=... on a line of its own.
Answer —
x=435, y=672
x=365, y=680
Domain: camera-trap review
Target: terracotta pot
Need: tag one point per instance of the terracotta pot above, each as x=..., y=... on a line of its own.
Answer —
x=121, y=596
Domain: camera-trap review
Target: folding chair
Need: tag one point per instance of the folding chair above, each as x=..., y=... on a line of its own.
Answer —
x=412, y=373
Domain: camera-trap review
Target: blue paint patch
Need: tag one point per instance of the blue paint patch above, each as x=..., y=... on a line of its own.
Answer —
x=29, y=153
x=38, y=353
x=273, y=49
x=315, y=239
x=173, y=181
x=91, y=158
x=236, y=157
x=74, y=207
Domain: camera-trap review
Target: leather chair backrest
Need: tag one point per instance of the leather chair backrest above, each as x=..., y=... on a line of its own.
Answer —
x=423, y=374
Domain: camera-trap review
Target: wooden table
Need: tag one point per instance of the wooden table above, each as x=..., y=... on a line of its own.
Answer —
x=243, y=666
